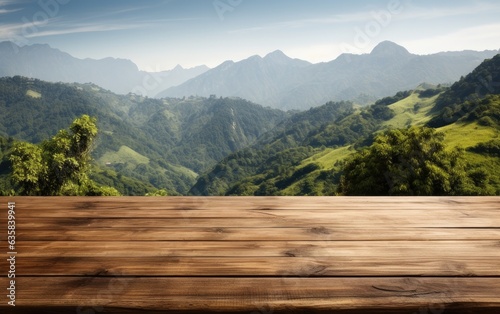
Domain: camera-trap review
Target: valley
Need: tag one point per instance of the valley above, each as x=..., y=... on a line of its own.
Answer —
x=214, y=145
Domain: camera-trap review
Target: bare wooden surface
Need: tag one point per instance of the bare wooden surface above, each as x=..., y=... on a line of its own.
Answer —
x=254, y=255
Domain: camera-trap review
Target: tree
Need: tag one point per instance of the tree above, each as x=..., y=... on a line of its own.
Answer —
x=161, y=192
x=58, y=166
x=28, y=167
x=411, y=161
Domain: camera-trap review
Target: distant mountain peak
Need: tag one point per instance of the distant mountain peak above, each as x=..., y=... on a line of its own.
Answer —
x=279, y=57
x=277, y=54
x=8, y=46
x=8, y=43
x=388, y=48
x=11, y=46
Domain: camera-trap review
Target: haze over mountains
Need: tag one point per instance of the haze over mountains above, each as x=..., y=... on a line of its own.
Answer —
x=118, y=75
x=281, y=82
x=275, y=80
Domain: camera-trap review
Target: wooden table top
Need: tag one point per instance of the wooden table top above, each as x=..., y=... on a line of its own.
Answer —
x=253, y=255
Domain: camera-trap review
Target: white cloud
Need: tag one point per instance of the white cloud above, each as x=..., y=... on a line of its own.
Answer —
x=5, y=11
x=4, y=3
x=61, y=28
x=80, y=29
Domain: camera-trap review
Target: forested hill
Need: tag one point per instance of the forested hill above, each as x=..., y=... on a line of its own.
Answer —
x=299, y=137
x=464, y=98
x=307, y=155
x=162, y=143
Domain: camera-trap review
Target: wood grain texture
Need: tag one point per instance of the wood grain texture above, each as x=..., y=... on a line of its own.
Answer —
x=317, y=233
x=255, y=255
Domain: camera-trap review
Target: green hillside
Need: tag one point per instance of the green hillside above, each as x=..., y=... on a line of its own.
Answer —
x=412, y=110
x=125, y=155
x=275, y=152
x=162, y=143
x=312, y=164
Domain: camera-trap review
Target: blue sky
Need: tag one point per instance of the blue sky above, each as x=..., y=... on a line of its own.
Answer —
x=159, y=34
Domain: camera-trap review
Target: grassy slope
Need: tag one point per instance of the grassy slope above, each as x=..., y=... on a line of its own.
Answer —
x=456, y=135
x=127, y=155
x=185, y=171
x=326, y=160
x=469, y=135
x=124, y=155
x=406, y=114
x=411, y=111
x=33, y=94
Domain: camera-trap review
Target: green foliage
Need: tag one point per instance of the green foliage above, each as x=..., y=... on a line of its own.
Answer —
x=350, y=128
x=6, y=188
x=411, y=162
x=93, y=189
x=413, y=110
x=272, y=155
x=297, y=175
x=465, y=96
x=125, y=185
x=158, y=193
x=491, y=148
x=271, y=165
x=393, y=99
x=381, y=112
x=58, y=166
x=485, y=110
x=218, y=127
x=431, y=92
x=66, y=156
x=29, y=170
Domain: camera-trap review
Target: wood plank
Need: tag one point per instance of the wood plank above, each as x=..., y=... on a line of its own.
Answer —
x=376, y=217
x=247, y=203
x=136, y=205
x=375, y=249
x=320, y=233
x=260, y=266
x=243, y=294
x=267, y=222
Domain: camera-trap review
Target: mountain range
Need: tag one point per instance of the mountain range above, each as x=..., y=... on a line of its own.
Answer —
x=285, y=83
x=117, y=75
x=275, y=80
